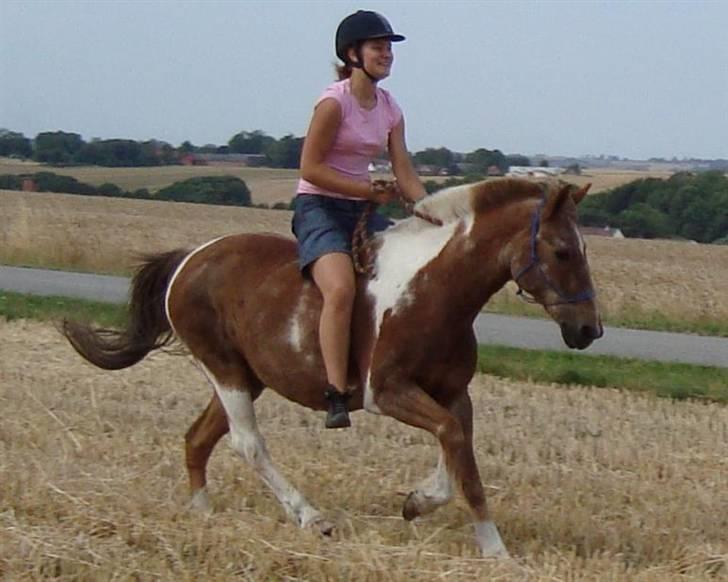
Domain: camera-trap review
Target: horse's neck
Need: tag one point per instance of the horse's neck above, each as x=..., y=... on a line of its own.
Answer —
x=442, y=264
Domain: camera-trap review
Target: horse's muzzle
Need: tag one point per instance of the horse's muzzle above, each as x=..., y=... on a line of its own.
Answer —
x=581, y=337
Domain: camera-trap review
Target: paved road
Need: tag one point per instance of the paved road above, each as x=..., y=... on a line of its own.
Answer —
x=494, y=329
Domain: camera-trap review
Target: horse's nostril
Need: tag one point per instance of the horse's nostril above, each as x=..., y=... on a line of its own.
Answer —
x=590, y=331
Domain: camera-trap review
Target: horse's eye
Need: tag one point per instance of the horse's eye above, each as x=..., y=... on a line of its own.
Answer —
x=562, y=255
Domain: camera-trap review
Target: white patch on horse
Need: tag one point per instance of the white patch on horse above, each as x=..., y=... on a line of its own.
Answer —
x=403, y=253
x=448, y=204
x=178, y=270
x=406, y=249
x=295, y=330
x=249, y=444
x=582, y=242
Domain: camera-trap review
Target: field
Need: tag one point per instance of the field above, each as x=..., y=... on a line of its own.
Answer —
x=636, y=279
x=587, y=484
x=267, y=185
x=584, y=483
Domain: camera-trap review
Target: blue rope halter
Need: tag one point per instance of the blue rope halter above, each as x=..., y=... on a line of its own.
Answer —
x=535, y=263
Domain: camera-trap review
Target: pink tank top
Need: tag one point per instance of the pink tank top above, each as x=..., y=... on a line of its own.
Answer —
x=362, y=136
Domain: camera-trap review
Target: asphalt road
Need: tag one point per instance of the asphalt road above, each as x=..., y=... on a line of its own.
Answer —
x=490, y=329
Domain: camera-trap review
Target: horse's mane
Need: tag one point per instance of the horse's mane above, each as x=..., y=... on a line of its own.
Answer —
x=457, y=202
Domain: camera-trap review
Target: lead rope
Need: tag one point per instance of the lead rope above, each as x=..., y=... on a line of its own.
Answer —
x=361, y=244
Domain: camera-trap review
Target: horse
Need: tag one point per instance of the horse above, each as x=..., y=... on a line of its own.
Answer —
x=242, y=309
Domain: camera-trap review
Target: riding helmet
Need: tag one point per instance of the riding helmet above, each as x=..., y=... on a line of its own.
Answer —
x=360, y=26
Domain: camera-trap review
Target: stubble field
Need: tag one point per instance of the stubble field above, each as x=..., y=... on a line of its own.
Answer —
x=679, y=280
x=585, y=484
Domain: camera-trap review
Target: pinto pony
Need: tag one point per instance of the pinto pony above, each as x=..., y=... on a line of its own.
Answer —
x=245, y=313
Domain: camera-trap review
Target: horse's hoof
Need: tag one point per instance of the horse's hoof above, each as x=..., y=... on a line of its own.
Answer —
x=200, y=503
x=411, y=509
x=322, y=526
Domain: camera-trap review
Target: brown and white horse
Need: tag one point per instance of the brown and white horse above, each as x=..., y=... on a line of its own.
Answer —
x=241, y=307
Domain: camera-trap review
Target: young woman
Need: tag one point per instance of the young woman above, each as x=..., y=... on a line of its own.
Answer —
x=354, y=121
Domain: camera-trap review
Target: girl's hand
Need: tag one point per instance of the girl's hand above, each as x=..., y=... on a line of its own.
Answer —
x=384, y=191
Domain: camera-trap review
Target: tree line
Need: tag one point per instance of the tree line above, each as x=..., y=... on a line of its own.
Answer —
x=222, y=190
x=60, y=148
x=685, y=206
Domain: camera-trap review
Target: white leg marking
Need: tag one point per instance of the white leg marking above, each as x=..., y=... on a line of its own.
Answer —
x=489, y=541
x=434, y=491
x=369, y=404
x=200, y=502
x=178, y=270
x=249, y=444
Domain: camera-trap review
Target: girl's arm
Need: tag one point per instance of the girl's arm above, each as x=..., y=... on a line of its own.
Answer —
x=319, y=141
x=407, y=179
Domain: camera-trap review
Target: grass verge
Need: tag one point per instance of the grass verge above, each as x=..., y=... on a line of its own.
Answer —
x=670, y=380
x=627, y=318
x=20, y=306
x=678, y=381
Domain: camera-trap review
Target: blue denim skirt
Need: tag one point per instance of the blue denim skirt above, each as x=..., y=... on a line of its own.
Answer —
x=324, y=225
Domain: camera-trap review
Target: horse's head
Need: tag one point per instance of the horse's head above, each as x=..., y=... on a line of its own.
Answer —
x=550, y=267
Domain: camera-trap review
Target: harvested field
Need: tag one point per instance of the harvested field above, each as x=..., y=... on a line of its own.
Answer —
x=586, y=484
x=267, y=185
x=677, y=279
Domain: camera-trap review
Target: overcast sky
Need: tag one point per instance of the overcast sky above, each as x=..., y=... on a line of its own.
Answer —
x=634, y=79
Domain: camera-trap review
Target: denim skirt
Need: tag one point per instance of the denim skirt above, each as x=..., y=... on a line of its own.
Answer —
x=324, y=225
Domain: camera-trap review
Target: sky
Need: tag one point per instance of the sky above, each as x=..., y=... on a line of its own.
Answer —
x=636, y=79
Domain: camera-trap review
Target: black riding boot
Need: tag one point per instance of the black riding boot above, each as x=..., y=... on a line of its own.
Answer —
x=338, y=414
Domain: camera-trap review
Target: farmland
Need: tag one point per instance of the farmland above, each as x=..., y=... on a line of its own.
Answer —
x=584, y=483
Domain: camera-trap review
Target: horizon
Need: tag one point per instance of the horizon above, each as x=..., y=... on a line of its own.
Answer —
x=634, y=80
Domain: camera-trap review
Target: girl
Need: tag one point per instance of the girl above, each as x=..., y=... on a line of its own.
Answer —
x=353, y=122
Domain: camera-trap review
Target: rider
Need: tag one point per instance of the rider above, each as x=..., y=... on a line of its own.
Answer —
x=353, y=122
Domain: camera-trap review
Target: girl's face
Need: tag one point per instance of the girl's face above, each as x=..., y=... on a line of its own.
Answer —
x=377, y=56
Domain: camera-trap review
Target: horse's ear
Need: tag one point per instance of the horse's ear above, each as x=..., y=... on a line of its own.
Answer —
x=579, y=195
x=555, y=201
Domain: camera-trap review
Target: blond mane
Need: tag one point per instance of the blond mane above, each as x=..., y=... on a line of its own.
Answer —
x=457, y=202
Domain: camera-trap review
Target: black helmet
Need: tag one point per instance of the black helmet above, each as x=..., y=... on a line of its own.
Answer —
x=360, y=26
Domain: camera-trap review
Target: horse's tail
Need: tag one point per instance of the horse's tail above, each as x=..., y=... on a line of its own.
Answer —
x=147, y=328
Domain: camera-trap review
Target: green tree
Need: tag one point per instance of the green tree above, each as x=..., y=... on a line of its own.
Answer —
x=57, y=147
x=285, y=152
x=224, y=190
x=482, y=159
x=250, y=142
x=440, y=157
x=13, y=143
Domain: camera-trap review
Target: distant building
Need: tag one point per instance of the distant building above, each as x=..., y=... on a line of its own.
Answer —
x=601, y=231
x=29, y=185
x=494, y=171
x=533, y=172
x=200, y=159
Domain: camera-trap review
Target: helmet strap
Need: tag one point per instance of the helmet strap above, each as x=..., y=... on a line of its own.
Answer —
x=359, y=64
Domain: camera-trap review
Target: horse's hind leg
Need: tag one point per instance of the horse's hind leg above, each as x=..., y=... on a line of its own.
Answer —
x=200, y=440
x=437, y=489
x=237, y=401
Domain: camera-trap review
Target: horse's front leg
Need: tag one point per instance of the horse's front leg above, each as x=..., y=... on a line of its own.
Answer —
x=437, y=489
x=408, y=403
